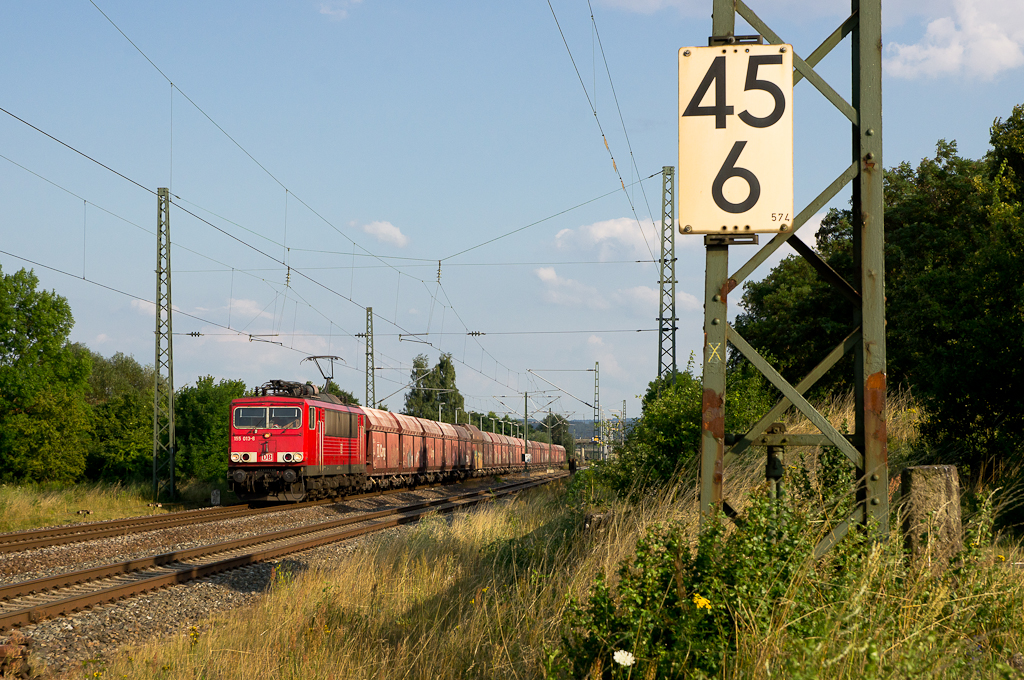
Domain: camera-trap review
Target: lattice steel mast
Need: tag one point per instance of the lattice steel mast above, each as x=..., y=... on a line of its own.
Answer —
x=163, y=364
x=598, y=434
x=371, y=391
x=667, y=280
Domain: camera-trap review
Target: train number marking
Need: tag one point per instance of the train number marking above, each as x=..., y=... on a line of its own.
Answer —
x=244, y=438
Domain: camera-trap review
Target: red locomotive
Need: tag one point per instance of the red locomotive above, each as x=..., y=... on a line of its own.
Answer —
x=297, y=443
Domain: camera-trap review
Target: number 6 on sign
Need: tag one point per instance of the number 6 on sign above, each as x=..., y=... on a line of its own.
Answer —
x=735, y=139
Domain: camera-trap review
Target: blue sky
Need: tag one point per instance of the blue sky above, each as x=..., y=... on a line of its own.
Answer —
x=418, y=130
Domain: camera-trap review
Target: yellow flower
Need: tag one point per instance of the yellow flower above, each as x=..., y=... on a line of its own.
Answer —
x=701, y=602
x=1001, y=558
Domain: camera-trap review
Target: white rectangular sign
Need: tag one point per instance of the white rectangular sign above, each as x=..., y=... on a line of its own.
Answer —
x=735, y=139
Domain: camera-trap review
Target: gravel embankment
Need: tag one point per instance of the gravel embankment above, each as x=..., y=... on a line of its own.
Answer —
x=60, y=646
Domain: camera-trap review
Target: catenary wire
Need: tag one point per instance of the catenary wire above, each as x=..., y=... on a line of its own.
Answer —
x=601, y=129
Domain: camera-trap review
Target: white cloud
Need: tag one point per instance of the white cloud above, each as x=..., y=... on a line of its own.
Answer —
x=980, y=40
x=622, y=238
x=101, y=338
x=144, y=307
x=337, y=10
x=562, y=291
x=638, y=296
x=605, y=355
x=385, y=232
x=686, y=302
x=250, y=309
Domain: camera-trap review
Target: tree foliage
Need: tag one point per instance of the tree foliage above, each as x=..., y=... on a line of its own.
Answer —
x=955, y=297
x=433, y=388
x=345, y=396
x=121, y=435
x=667, y=436
x=202, y=417
x=43, y=380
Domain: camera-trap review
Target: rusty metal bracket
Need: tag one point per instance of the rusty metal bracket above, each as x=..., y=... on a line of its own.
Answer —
x=737, y=240
x=735, y=40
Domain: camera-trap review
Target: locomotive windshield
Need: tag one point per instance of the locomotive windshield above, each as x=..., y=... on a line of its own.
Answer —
x=255, y=417
x=285, y=417
x=247, y=418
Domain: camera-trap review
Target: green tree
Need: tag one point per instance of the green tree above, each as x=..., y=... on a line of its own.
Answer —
x=1006, y=159
x=43, y=379
x=202, y=413
x=120, y=444
x=797, y=317
x=955, y=298
x=433, y=388
x=345, y=396
x=121, y=441
x=117, y=375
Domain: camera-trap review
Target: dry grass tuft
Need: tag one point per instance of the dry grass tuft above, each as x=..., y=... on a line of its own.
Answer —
x=32, y=506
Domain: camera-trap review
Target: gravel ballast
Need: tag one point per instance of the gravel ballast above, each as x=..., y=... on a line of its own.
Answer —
x=67, y=646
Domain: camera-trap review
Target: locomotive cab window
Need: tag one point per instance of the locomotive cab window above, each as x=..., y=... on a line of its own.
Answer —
x=250, y=418
x=285, y=418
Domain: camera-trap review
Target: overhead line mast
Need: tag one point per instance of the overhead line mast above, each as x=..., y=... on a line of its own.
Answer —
x=163, y=364
x=371, y=397
x=667, y=281
x=598, y=438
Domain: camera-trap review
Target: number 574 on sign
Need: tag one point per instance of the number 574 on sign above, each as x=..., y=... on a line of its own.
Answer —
x=735, y=139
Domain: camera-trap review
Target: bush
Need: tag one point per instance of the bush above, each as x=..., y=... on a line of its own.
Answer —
x=754, y=600
x=666, y=438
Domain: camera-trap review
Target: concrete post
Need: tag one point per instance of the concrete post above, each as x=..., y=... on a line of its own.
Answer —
x=931, y=513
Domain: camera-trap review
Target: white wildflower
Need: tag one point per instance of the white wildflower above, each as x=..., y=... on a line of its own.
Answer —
x=623, y=658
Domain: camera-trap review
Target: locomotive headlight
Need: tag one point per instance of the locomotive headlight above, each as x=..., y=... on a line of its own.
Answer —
x=245, y=457
x=266, y=435
x=298, y=458
x=235, y=458
x=287, y=457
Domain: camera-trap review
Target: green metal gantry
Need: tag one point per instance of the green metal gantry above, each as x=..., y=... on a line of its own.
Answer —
x=371, y=389
x=163, y=375
x=598, y=433
x=866, y=447
x=667, y=280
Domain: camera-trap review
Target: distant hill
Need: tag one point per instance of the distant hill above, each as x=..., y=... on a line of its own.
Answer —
x=584, y=429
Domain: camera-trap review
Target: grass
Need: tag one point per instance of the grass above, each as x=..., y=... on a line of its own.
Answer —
x=44, y=505
x=484, y=594
x=32, y=506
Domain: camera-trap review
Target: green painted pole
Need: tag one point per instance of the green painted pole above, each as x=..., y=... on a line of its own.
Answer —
x=716, y=289
x=869, y=240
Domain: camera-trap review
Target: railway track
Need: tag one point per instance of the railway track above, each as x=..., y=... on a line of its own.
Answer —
x=32, y=601
x=75, y=533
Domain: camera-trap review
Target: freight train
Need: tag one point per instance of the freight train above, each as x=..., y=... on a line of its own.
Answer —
x=294, y=442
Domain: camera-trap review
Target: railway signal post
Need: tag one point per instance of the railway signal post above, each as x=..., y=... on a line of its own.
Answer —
x=735, y=183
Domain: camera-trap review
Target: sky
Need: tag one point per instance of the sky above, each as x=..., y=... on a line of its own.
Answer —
x=440, y=162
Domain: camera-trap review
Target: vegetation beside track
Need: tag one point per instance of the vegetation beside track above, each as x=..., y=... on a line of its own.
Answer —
x=43, y=505
x=553, y=584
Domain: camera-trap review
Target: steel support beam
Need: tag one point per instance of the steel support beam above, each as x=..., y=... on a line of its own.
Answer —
x=667, y=279
x=598, y=434
x=371, y=396
x=866, y=447
x=163, y=364
x=869, y=248
x=716, y=291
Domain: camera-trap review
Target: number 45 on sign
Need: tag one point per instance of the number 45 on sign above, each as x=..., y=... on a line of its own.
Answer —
x=735, y=139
